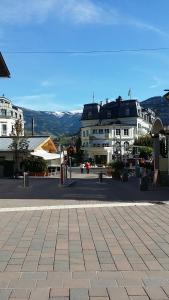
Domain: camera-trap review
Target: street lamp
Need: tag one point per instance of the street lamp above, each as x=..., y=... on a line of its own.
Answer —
x=60, y=148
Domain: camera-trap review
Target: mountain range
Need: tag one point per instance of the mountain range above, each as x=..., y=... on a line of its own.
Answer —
x=68, y=123
x=52, y=123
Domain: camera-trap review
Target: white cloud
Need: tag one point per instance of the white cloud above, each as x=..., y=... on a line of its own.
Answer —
x=77, y=11
x=37, y=102
x=44, y=102
x=47, y=83
x=158, y=82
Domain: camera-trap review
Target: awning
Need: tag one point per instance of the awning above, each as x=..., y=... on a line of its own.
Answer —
x=46, y=155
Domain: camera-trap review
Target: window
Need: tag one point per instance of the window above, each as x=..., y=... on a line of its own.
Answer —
x=84, y=134
x=109, y=114
x=126, y=132
x=117, y=131
x=4, y=129
x=126, y=146
x=117, y=146
x=89, y=114
x=94, y=131
x=127, y=112
x=11, y=113
x=87, y=132
x=16, y=115
x=3, y=112
x=100, y=131
x=106, y=130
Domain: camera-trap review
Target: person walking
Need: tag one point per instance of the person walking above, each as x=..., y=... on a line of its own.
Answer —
x=87, y=166
x=82, y=167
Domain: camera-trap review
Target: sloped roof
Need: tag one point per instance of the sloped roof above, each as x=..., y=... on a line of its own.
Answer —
x=4, y=72
x=34, y=142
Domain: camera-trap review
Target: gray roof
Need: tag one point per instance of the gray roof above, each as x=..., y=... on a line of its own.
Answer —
x=115, y=109
x=33, y=142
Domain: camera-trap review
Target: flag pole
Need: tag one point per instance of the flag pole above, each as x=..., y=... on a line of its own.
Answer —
x=93, y=97
x=129, y=93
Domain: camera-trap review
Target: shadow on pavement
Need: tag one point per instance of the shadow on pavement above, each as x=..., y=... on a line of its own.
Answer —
x=83, y=190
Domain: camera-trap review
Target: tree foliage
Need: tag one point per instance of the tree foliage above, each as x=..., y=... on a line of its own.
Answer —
x=35, y=164
x=19, y=143
x=144, y=140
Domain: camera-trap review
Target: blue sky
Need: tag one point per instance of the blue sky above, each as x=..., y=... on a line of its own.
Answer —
x=59, y=82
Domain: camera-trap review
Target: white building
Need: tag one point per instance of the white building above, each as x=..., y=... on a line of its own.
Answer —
x=8, y=116
x=110, y=130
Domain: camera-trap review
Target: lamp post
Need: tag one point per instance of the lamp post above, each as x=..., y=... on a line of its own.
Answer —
x=61, y=167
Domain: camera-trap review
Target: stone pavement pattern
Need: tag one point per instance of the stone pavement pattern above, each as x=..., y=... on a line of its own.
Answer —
x=119, y=253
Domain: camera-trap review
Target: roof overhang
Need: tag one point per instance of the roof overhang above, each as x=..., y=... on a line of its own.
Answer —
x=45, y=155
x=4, y=72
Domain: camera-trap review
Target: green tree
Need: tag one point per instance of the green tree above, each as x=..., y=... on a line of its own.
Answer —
x=145, y=144
x=144, y=140
x=35, y=164
x=19, y=144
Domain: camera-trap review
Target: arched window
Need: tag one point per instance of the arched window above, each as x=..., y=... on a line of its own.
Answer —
x=126, y=146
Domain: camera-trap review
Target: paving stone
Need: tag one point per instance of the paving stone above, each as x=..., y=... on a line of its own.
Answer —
x=22, y=284
x=60, y=298
x=139, y=298
x=76, y=294
x=99, y=298
x=34, y=275
x=20, y=293
x=98, y=292
x=40, y=294
x=129, y=282
x=5, y=294
x=59, y=292
x=76, y=283
x=118, y=293
x=104, y=282
x=136, y=291
x=156, y=293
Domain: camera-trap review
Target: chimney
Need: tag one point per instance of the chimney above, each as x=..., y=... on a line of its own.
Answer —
x=107, y=100
x=119, y=99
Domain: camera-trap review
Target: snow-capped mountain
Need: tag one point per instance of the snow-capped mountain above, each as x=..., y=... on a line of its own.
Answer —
x=52, y=123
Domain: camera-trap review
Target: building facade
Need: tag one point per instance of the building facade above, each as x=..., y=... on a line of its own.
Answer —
x=109, y=130
x=8, y=116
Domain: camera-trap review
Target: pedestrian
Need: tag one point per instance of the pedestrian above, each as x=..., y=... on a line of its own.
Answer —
x=82, y=167
x=87, y=166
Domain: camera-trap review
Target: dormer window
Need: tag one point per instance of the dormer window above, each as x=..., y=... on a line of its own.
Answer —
x=109, y=114
x=127, y=112
x=89, y=114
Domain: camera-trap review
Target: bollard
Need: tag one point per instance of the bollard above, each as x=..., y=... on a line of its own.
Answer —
x=25, y=179
x=100, y=177
x=144, y=183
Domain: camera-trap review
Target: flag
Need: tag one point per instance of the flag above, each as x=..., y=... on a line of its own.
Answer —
x=129, y=93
